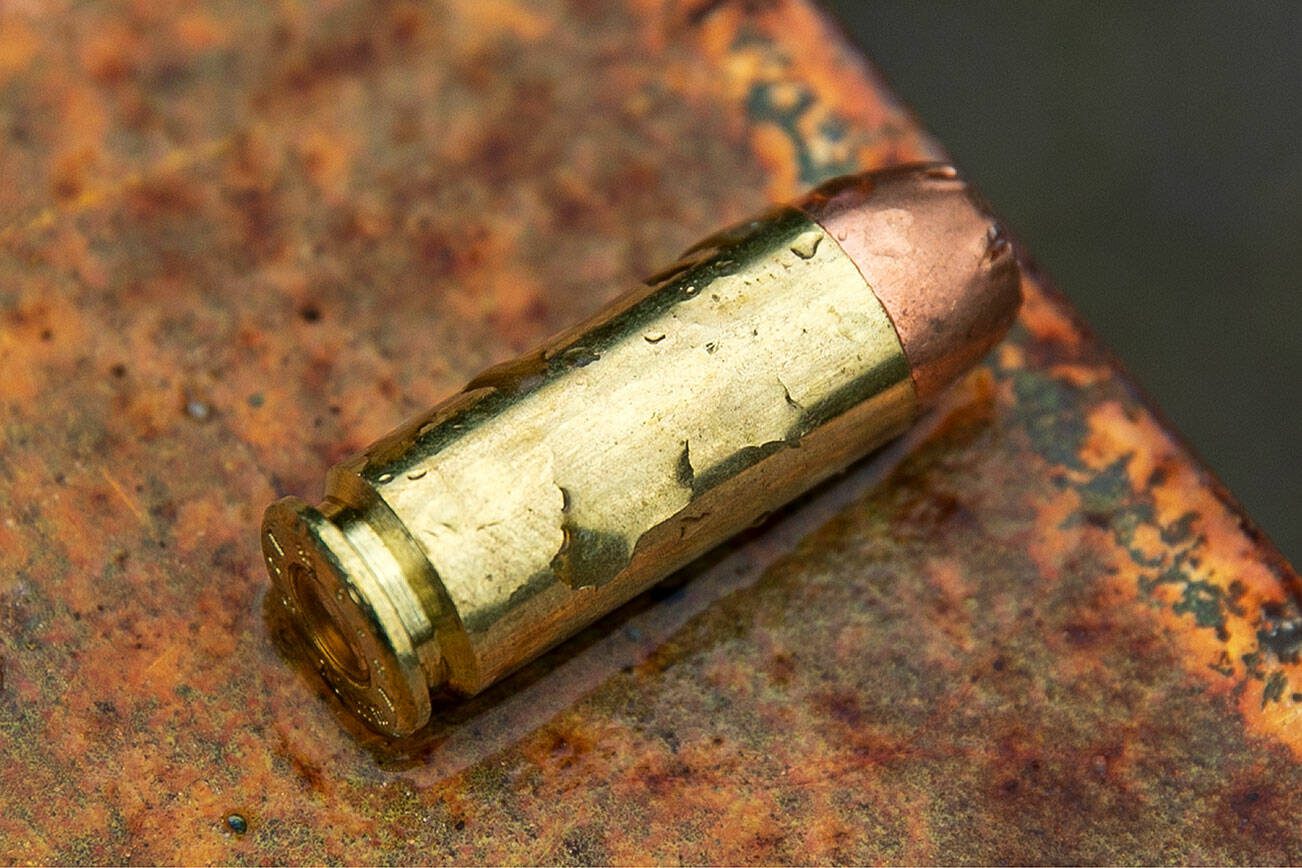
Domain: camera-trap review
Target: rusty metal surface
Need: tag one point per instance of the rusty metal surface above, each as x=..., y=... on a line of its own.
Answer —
x=1037, y=630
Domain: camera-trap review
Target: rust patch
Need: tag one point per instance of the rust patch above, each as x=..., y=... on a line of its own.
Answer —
x=1051, y=637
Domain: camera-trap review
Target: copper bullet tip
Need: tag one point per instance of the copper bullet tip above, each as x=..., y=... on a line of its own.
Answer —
x=936, y=259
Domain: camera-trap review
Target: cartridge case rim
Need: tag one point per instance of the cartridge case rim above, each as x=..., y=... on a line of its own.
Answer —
x=345, y=620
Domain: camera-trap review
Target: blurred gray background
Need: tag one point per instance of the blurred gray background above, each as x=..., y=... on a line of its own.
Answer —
x=1149, y=156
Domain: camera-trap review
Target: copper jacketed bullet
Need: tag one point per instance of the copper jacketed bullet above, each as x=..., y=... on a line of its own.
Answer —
x=557, y=486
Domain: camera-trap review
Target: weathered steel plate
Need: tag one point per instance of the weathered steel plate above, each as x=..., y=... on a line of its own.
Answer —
x=241, y=240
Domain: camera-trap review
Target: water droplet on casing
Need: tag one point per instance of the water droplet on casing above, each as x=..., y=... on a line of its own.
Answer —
x=386, y=477
x=997, y=243
x=417, y=474
x=690, y=290
x=654, y=337
x=807, y=244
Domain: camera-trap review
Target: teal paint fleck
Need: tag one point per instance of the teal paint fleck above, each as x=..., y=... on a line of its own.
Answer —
x=1274, y=690
x=1045, y=408
x=762, y=107
x=1180, y=530
x=1205, y=602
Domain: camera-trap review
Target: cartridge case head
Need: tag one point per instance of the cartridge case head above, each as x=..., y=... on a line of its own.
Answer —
x=334, y=581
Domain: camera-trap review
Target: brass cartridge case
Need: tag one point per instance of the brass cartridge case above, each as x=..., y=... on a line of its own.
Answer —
x=559, y=485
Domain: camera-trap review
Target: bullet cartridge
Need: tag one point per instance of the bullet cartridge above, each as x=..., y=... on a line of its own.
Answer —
x=559, y=485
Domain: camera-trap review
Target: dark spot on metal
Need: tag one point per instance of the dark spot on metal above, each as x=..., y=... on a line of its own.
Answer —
x=698, y=15
x=1280, y=632
x=588, y=558
x=1223, y=664
x=225, y=559
x=1084, y=633
x=684, y=475
x=584, y=847
x=349, y=56
x=1101, y=520
x=1180, y=530
x=165, y=511
x=579, y=357
x=1274, y=689
x=237, y=824
x=309, y=313
x=747, y=456
x=667, y=590
x=767, y=102
x=118, y=370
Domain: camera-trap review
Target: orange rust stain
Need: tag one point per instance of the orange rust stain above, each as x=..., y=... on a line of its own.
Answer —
x=844, y=705
x=19, y=43
x=112, y=52
x=1054, y=540
x=43, y=330
x=776, y=153
x=829, y=94
x=328, y=161
x=80, y=186
x=1116, y=434
x=491, y=17
x=1044, y=318
x=197, y=30
x=952, y=591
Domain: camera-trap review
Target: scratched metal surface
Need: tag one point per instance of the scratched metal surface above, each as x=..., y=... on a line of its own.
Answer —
x=240, y=240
